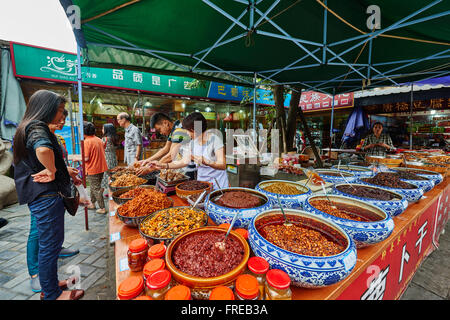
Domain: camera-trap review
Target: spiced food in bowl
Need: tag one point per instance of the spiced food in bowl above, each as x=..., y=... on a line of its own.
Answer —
x=314, y=251
x=195, y=261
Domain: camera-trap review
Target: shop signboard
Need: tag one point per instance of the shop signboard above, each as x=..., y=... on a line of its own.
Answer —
x=317, y=101
x=51, y=65
x=418, y=105
x=43, y=64
x=388, y=276
x=228, y=92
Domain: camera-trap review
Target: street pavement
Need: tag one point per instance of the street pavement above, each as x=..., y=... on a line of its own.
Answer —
x=95, y=262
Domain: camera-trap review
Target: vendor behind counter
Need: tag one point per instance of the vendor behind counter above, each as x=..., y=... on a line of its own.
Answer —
x=377, y=143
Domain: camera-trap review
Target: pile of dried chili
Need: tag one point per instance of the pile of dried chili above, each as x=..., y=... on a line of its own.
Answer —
x=146, y=203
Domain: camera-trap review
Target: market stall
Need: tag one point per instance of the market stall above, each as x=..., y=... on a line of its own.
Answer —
x=376, y=266
x=331, y=60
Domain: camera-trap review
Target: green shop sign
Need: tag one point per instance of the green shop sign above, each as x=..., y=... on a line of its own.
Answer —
x=44, y=64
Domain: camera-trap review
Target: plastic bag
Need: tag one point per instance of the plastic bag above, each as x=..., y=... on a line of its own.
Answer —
x=85, y=200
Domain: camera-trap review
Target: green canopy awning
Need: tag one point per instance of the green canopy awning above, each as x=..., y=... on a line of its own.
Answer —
x=319, y=44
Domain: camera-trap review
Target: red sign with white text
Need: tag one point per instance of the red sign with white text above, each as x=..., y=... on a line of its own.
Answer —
x=388, y=276
x=312, y=101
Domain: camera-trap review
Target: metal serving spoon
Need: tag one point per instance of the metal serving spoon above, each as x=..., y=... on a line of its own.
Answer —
x=286, y=222
x=221, y=244
x=346, y=181
x=199, y=198
x=326, y=195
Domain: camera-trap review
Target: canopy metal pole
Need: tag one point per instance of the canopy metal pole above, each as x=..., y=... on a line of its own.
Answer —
x=254, y=101
x=410, y=117
x=331, y=124
x=72, y=130
x=81, y=127
x=325, y=23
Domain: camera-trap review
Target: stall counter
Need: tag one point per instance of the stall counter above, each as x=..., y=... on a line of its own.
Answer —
x=382, y=271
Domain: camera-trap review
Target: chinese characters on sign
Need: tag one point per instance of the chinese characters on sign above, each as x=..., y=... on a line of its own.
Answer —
x=312, y=101
x=419, y=105
x=389, y=274
x=377, y=287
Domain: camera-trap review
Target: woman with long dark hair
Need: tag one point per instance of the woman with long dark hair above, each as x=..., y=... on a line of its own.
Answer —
x=206, y=149
x=42, y=178
x=110, y=141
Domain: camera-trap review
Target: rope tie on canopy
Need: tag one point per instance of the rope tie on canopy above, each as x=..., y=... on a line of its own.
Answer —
x=381, y=35
x=249, y=40
x=359, y=54
x=110, y=11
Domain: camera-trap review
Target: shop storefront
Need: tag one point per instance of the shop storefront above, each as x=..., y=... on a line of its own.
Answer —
x=420, y=120
x=326, y=123
x=106, y=92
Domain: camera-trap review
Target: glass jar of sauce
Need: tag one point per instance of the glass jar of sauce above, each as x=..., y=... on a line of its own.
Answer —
x=157, y=251
x=278, y=285
x=246, y=287
x=258, y=268
x=137, y=254
x=157, y=284
x=131, y=288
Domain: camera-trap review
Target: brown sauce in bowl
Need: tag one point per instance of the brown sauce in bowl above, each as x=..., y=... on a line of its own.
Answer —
x=368, y=192
x=345, y=211
x=239, y=200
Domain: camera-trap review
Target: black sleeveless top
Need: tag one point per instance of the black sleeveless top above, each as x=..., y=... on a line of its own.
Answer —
x=27, y=189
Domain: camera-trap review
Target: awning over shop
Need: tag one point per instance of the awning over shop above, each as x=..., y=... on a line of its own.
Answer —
x=321, y=45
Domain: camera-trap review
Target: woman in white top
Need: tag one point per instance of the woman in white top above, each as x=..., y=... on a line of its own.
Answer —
x=206, y=149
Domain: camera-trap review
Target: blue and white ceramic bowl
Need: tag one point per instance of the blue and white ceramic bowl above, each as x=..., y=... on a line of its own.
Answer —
x=334, y=176
x=363, y=233
x=436, y=177
x=412, y=195
x=393, y=207
x=305, y=271
x=426, y=185
x=358, y=171
x=220, y=214
x=292, y=201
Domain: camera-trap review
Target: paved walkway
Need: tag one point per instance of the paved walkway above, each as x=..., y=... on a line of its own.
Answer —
x=96, y=260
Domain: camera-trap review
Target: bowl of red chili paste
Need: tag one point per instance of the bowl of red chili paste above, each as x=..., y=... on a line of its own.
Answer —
x=365, y=223
x=195, y=261
x=313, y=251
x=222, y=205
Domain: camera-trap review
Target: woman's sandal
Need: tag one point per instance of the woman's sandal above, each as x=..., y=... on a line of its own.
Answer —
x=63, y=285
x=74, y=295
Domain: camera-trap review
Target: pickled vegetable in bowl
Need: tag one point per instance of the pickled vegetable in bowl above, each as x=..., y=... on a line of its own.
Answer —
x=282, y=188
x=169, y=223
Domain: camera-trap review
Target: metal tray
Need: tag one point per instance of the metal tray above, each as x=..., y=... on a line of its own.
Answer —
x=171, y=183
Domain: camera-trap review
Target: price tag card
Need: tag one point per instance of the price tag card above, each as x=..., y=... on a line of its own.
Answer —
x=123, y=264
x=115, y=237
